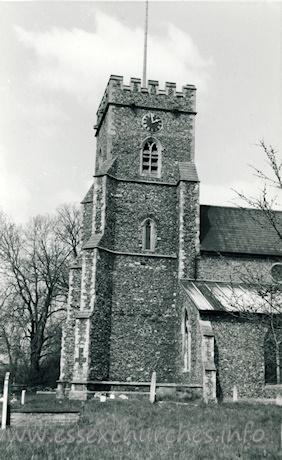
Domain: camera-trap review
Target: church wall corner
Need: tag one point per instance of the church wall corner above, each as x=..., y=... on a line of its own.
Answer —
x=68, y=334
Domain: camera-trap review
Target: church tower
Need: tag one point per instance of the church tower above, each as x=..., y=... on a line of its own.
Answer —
x=140, y=238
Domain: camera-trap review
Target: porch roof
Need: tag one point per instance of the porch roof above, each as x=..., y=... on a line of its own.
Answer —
x=220, y=296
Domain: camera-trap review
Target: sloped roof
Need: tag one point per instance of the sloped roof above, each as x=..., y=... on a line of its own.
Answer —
x=77, y=263
x=188, y=171
x=106, y=166
x=220, y=296
x=89, y=195
x=93, y=241
x=237, y=230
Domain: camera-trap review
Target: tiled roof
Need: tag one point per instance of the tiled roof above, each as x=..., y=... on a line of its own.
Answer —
x=241, y=231
x=219, y=296
x=93, y=241
x=187, y=171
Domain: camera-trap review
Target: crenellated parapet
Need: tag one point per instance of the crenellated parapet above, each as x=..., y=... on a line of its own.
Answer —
x=152, y=97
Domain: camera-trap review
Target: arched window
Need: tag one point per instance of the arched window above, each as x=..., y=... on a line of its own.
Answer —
x=150, y=163
x=148, y=237
x=186, y=342
x=273, y=356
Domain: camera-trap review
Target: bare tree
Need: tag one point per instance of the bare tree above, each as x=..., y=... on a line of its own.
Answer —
x=266, y=299
x=69, y=227
x=256, y=298
x=12, y=340
x=271, y=189
x=35, y=259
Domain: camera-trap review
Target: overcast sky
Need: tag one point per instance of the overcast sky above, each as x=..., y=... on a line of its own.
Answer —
x=56, y=59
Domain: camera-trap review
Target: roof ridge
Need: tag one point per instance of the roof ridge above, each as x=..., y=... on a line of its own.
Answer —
x=237, y=207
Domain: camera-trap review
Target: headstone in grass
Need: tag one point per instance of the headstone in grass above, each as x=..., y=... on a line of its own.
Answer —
x=279, y=400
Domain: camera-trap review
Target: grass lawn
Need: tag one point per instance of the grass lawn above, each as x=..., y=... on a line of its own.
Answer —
x=135, y=429
x=44, y=403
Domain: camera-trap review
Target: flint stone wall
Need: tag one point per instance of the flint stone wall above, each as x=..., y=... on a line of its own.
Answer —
x=239, y=355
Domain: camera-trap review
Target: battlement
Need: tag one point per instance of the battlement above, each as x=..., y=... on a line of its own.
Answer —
x=116, y=81
x=152, y=96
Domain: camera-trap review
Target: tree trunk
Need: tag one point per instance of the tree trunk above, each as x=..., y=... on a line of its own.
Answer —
x=35, y=354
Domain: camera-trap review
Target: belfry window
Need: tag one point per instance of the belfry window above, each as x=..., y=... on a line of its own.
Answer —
x=148, y=235
x=186, y=344
x=150, y=157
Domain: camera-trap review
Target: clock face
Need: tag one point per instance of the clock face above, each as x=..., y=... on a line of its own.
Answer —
x=152, y=123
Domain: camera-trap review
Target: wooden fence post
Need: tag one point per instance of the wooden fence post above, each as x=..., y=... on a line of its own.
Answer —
x=23, y=397
x=235, y=393
x=279, y=403
x=153, y=388
x=6, y=402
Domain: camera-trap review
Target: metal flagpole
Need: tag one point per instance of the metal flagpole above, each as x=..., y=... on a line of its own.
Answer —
x=145, y=48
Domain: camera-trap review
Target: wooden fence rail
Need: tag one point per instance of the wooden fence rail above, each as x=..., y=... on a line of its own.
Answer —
x=128, y=384
x=152, y=385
